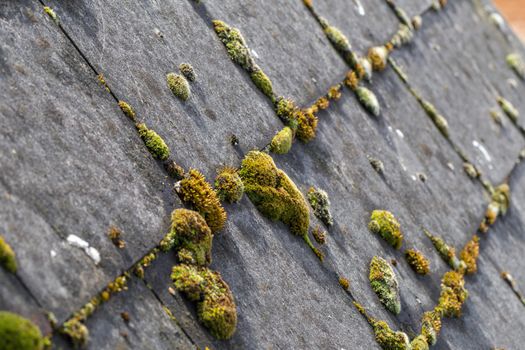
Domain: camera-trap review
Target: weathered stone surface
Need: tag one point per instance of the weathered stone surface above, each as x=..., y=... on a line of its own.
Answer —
x=71, y=164
x=462, y=77
x=414, y=7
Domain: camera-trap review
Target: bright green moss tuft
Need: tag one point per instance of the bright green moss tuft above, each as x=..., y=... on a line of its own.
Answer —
x=447, y=253
x=7, y=256
x=261, y=80
x=196, y=191
x=155, y=144
x=384, y=283
x=187, y=70
x=515, y=62
x=388, y=339
x=282, y=141
x=273, y=193
x=228, y=185
x=127, y=110
x=235, y=45
x=18, y=333
x=419, y=343
x=216, y=306
x=453, y=294
x=385, y=224
x=417, y=261
x=431, y=325
x=369, y=100
x=178, y=85
x=191, y=237
x=321, y=205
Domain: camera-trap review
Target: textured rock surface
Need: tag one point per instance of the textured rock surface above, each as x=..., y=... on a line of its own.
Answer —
x=72, y=163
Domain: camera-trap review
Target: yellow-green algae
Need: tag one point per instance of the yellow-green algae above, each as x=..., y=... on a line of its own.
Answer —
x=190, y=236
x=19, y=333
x=195, y=190
x=215, y=304
x=282, y=141
x=275, y=195
x=154, y=143
x=321, y=205
x=469, y=255
x=447, y=253
x=7, y=256
x=417, y=261
x=384, y=283
x=228, y=185
x=178, y=85
x=385, y=224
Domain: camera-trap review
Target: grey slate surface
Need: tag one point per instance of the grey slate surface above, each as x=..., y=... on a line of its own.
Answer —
x=285, y=297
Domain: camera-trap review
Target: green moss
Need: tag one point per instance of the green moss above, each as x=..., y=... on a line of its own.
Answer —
x=509, y=109
x=76, y=331
x=190, y=236
x=51, y=13
x=127, y=110
x=7, y=256
x=440, y=121
x=195, y=190
x=497, y=207
x=470, y=253
x=431, y=325
x=321, y=205
x=388, y=339
x=155, y=144
x=18, y=333
x=369, y=100
x=453, y=294
x=273, y=193
x=385, y=224
x=178, y=85
x=263, y=83
x=287, y=110
x=384, y=283
x=235, y=45
x=306, y=126
x=187, y=70
x=216, y=306
x=228, y=185
x=319, y=235
x=417, y=261
x=447, y=253
x=515, y=62
x=404, y=35
x=337, y=38
x=344, y=283
x=282, y=141
x=419, y=343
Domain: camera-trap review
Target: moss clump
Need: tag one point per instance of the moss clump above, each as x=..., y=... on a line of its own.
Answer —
x=352, y=80
x=7, y=256
x=419, y=343
x=471, y=170
x=115, y=234
x=337, y=38
x=127, y=110
x=385, y=224
x=498, y=205
x=190, y=236
x=196, y=191
x=174, y=170
x=216, y=306
x=306, y=126
x=378, y=57
x=51, y=13
x=287, y=111
x=470, y=253
x=447, y=253
x=263, y=83
x=377, y=165
x=344, y=283
x=388, y=339
x=187, y=70
x=18, y=333
x=515, y=62
x=282, y=141
x=453, y=294
x=235, y=45
x=384, y=283
x=417, y=261
x=76, y=331
x=273, y=193
x=439, y=121
x=369, y=100
x=178, y=85
x=334, y=93
x=155, y=144
x=321, y=205
x=431, y=325
x=228, y=185
x=322, y=103
x=319, y=235
x=404, y=35
x=509, y=109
